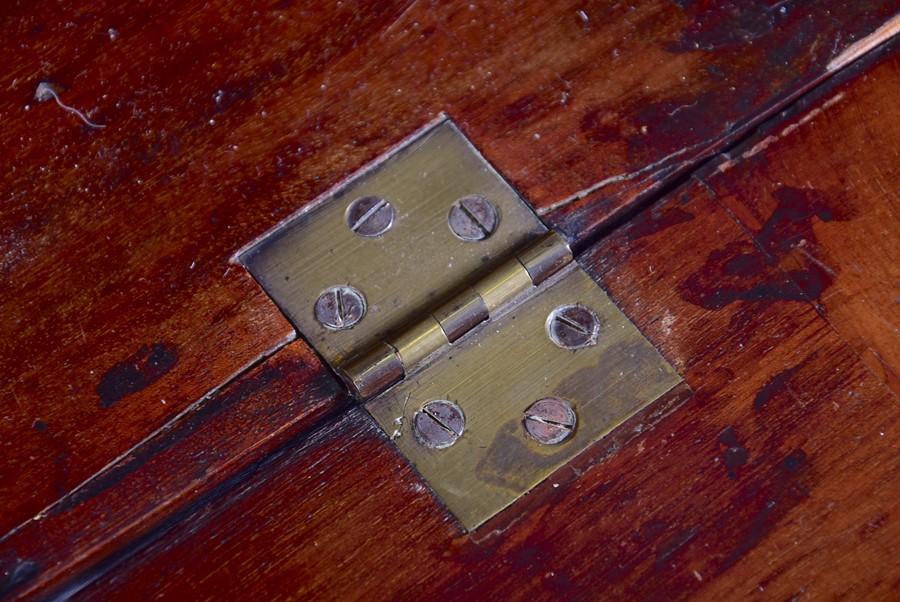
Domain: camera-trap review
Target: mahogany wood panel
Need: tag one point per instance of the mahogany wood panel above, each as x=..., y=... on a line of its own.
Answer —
x=198, y=452
x=833, y=222
x=776, y=479
x=120, y=305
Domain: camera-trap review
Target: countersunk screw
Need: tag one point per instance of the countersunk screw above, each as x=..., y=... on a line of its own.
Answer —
x=473, y=218
x=340, y=307
x=573, y=326
x=550, y=420
x=370, y=216
x=439, y=424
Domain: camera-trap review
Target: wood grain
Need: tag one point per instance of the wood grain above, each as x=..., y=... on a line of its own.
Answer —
x=121, y=307
x=200, y=451
x=776, y=478
x=833, y=224
x=123, y=310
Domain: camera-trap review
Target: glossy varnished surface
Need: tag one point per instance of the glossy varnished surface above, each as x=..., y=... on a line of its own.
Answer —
x=120, y=304
x=776, y=479
x=122, y=308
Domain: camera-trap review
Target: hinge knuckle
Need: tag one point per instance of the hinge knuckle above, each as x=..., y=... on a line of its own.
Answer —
x=374, y=371
x=545, y=257
x=503, y=284
x=415, y=344
x=389, y=362
x=462, y=314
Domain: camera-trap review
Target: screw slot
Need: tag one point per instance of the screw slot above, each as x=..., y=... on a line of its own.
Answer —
x=340, y=307
x=550, y=420
x=370, y=216
x=473, y=218
x=573, y=326
x=439, y=424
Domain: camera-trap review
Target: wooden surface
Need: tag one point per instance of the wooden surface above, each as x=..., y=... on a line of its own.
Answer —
x=125, y=319
x=776, y=479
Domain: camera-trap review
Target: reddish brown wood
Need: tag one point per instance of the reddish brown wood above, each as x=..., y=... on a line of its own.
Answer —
x=831, y=223
x=777, y=478
x=200, y=451
x=121, y=307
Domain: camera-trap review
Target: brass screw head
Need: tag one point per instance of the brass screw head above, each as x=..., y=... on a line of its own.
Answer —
x=439, y=424
x=340, y=307
x=473, y=218
x=370, y=216
x=573, y=326
x=550, y=420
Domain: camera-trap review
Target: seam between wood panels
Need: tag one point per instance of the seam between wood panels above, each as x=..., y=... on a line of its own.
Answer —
x=883, y=40
x=160, y=431
x=103, y=565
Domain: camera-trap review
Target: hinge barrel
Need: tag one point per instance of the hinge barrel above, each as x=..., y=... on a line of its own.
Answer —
x=388, y=362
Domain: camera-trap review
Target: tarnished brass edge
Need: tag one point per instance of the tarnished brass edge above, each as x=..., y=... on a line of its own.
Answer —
x=241, y=256
x=388, y=362
x=472, y=526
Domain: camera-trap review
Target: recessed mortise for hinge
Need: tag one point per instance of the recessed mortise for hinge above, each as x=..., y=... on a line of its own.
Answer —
x=482, y=349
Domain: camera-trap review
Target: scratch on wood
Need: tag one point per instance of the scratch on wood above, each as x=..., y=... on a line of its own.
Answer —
x=399, y=18
x=769, y=140
x=619, y=178
x=888, y=30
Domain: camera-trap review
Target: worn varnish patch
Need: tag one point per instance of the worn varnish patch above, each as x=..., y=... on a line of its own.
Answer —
x=136, y=373
x=817, y=188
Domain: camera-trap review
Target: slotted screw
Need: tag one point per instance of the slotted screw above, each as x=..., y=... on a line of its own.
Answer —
x=473, y=218
x=370, y=216
x=550, y=420
x=439, y=424
x=340, y=307
x=573, y=326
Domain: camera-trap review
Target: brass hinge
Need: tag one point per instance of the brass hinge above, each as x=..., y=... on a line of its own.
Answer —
x=482, y=349
x=390, y=361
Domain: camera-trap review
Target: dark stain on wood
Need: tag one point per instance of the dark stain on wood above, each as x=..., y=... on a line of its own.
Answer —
x=770, y=501
x=270, y=373
x=148, y=365
x=733, y=452
x=737, y=272
x=16, y=572
x=773, y=387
